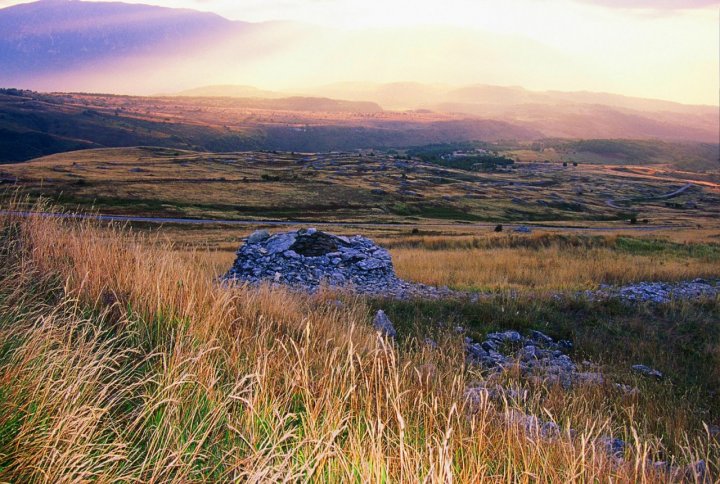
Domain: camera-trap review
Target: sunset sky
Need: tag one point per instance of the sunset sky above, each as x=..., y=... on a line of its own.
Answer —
x=668, y=49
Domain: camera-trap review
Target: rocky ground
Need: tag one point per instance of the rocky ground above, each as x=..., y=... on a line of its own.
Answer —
x=659, y=292
x=543, y=361
x=308, y=259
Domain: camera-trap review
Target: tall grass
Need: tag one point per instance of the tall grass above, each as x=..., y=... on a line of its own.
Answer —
x=121, y=360
x=551, y=268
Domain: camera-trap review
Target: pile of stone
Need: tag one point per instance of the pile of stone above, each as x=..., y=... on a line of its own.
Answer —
x=537, y=356
x=307, y=259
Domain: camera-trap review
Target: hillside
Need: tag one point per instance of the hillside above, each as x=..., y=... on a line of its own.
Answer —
x=34, y=124
x=555, y=113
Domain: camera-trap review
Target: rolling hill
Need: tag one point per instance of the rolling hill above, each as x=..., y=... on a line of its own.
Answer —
x=35, y=124
x=555, y=113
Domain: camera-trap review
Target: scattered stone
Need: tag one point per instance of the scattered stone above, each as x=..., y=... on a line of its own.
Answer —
x=698, y=472
x=534, y=427
x=647, y=371
x=659, y=292
x=431, y=343
x=383, y=325
x=627, y=389
x=538, y=357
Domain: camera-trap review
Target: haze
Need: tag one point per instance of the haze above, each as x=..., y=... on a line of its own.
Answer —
x=660, y=49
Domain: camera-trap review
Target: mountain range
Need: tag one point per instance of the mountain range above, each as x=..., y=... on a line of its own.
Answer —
x=554, y=113
x=72, y=45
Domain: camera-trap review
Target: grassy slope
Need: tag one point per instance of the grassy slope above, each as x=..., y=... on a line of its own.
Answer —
x=698, y=157
x=121, y=360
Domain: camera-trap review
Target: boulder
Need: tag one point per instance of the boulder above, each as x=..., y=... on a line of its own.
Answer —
x=647, y=371
x=258, y=236
x=383, y=324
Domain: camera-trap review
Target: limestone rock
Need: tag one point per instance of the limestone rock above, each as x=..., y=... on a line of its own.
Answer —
x=258, y=236
x=647, y=371
x=383, y=324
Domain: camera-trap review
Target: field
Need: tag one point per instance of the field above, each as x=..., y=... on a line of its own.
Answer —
x=364, y=187
x=122, y=359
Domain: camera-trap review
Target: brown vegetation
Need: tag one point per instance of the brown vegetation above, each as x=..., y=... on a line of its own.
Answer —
x=123, y=361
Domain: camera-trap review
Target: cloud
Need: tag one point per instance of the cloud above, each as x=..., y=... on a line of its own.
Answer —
x=655, y=4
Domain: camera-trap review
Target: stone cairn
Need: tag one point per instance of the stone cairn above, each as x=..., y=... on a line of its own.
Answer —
x=308, y=258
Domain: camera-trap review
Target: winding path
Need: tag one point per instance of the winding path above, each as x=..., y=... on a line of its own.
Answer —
x=613, y=203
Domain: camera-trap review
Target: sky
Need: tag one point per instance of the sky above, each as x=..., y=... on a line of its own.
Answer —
x=667, y=49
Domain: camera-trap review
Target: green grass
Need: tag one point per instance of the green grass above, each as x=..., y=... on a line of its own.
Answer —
x=681, y=339
x=645, y=246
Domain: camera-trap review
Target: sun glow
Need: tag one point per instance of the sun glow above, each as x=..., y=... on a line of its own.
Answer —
x=619, y=46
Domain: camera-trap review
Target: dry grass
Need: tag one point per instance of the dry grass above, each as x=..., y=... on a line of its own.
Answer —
x=542, y=261
x=122, y=361
x=545, y=269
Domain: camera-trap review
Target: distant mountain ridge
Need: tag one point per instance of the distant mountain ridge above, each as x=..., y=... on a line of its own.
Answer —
x=58, y=35
x=554, y=113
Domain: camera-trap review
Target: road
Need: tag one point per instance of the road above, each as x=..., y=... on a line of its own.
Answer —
x=613, y=203
x=284, y=223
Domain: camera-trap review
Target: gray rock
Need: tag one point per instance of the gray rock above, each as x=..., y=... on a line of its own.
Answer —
x=539, y=358
x=280, y=243
x=370, y=264
x=258, y=236
x=541, y=338
x=612, y=446
x=698, y=472
x=647, y=371
x=383, y=324
x=658, y=292
x=308, y=258
x=626, y=389
x=505, y=337
x=431, y=343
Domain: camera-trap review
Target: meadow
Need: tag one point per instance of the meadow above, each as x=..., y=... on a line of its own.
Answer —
x=123, y=359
